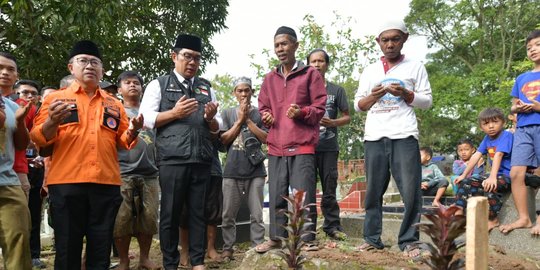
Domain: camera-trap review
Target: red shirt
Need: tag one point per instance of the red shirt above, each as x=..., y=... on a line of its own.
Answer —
x=21, y=163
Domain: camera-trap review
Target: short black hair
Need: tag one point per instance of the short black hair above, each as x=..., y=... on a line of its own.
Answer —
x=326, y=57
x=9, y=56
x=534, y=34
x=128, y=74
x=489, y=114
x=26, y=82
x=465, y=141
x=427, y=150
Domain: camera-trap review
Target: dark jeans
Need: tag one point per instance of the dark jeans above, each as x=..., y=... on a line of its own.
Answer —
x=183, y=184
x=326, y=165
x=401, y=158
x=298, y=172
x=35, y=202
x=80, y=210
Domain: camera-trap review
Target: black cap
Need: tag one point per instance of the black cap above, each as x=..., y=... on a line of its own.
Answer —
x=107, y=85
x=285, y=30
x=85, y=47
x=188, y=42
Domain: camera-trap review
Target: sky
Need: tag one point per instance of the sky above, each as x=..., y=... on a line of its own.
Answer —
x=252, y=24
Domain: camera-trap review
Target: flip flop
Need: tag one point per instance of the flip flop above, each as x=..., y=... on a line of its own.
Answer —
x=267, y=245
x=414, y=252
x=365, y=247
x=310, y=247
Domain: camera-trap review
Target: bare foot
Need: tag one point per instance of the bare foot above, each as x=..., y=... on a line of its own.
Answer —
x=212, y=254
x=184, y=259
x=436, y=203
x=520, y=223
x=535, y=231
x=148, y=264
x=199, y=267
x=123, y=265
x=492, y=224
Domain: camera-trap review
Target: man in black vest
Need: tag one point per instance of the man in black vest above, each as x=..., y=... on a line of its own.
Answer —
x=182, y=109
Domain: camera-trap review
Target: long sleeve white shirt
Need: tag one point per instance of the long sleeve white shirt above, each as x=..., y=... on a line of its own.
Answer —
x=152, y=98
x=391, y=116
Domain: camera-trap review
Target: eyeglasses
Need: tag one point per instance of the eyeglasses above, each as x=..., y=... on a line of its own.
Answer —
x=28, y=92
x=188, y=57
x=84, y=62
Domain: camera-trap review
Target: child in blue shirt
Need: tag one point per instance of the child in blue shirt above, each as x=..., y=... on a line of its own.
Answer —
x=465, y=150
x=526, y=103
x=497, y=145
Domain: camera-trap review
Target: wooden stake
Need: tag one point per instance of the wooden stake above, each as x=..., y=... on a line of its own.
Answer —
x=477, y=234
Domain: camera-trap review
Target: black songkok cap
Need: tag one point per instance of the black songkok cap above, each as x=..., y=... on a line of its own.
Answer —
x=286, y=30
x=85, y=47
x=188, y=42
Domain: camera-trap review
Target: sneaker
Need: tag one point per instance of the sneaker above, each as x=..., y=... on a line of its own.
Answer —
x=338, y=235
x=36, y=262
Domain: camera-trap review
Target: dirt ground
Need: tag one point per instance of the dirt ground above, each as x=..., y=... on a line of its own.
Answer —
x=339, y=252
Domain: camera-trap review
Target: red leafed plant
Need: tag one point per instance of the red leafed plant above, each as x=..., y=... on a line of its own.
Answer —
x=297, y=215
x=444, y=229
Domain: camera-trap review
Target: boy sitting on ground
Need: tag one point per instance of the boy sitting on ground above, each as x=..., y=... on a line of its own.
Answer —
x=433, y=181
x=497, y=145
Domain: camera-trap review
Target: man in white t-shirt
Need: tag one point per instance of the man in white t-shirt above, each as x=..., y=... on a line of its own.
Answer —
x=389, y=90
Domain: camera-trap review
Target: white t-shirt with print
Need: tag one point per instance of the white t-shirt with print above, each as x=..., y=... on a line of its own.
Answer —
x=391, y=116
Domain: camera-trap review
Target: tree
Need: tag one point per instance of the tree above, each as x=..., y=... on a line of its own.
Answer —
x=349, y=55
x=135, y=34
x=223, y=85
x=478, y=45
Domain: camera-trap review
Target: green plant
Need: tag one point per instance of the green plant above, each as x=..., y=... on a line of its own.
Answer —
x=444, y=229
x=297, y=215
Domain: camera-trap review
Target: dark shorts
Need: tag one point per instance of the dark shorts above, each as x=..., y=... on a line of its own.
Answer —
x=138, y=212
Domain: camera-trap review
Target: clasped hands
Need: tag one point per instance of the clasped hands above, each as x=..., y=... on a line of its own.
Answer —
x=186, y=106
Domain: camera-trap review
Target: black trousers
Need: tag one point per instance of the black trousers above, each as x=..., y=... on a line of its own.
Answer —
x=298, y=172
x=80, y=210
x=326, y=165
x=35, y=202
x=183, y=184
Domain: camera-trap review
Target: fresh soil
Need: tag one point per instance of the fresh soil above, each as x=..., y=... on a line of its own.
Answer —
x=337, y=252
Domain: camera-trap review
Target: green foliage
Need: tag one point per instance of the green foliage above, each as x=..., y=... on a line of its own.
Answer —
x=297, y=220
x=135, y=34
x=348, y=57
x=479, y=43
x=223, y=85
x=444, y=229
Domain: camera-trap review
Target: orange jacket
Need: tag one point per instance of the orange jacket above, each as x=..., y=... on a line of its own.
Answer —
x=86, y=142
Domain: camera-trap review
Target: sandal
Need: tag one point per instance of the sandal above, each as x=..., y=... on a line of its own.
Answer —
x=365, y=247
x=338, y=235
x=267, y=245
x=310, y=247
x=413, y=252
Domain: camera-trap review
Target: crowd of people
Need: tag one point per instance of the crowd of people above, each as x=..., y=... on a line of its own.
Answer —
x=113, y=161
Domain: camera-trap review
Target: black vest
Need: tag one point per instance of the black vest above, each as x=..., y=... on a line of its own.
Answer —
x=185, y=140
